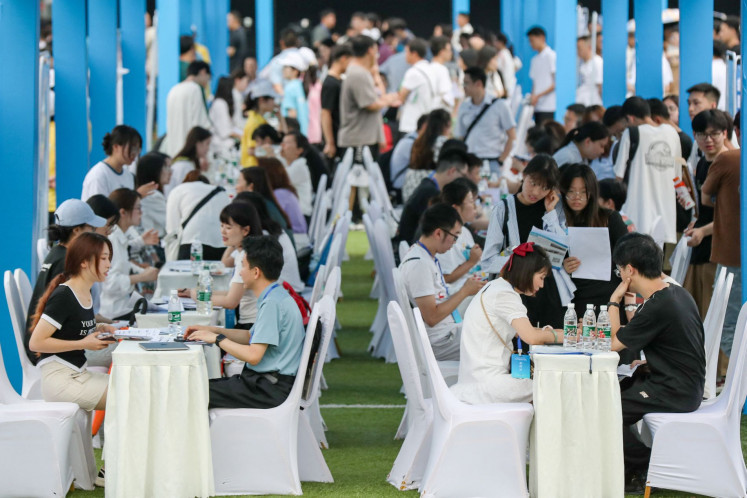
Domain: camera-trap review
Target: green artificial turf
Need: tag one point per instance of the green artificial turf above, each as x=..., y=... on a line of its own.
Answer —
x=362, y=448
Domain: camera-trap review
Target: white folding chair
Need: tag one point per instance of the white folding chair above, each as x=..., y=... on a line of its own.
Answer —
x=378, y=326
x=31, y=374
x=680, y=260
x=381, y=345
x=311, y=437
x=475, y=450
x=24, y=289
x=701, y=452
x=403, y=248
x=259, y=451
x=523, y=124
x=44, y=446
x=409, y=466
x=317, y=216
x=713, y=325
x=42, y=249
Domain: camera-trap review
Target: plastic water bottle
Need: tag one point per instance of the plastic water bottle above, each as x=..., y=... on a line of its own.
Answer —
x=205, y=293
x=589, y=328
x=175, y=315
x=570, y=327
x=604, y=330
x=195, y=256
x=484, y=175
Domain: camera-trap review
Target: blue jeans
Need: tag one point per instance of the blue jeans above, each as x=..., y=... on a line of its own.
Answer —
x=732, y=307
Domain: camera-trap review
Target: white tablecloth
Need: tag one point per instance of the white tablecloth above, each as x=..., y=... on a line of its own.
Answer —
x=178, y=275
x=157, y=427
x=161, y=320
x=576, y=445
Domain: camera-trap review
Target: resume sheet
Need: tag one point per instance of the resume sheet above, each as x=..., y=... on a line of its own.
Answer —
x=592, y=247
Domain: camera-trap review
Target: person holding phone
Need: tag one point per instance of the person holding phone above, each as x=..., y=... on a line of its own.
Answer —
x=494, y=317
x=536, y=205
x=64, y=326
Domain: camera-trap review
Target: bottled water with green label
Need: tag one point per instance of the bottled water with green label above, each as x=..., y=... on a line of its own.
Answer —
x=588, y=333
x=604, y=330
x=175, y=314
x=205, y=293
x=570, y=327
x=195, y=256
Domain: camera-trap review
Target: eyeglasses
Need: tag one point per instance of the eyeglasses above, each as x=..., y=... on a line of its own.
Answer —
x=571, y=194
x=448, y=232
x=714, y=135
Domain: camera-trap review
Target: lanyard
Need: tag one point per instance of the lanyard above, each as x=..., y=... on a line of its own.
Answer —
x=432, y=177
x=440, y=271
x=272, y=288
x=518, y=344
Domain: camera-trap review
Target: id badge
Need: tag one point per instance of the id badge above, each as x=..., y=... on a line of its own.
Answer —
x=456, y=316
x=520, y=366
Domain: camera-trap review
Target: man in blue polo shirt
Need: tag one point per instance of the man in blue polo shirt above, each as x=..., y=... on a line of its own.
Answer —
x=272, y=348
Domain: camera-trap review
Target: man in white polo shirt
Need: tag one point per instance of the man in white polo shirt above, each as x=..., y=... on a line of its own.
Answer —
x=424, y=280
x=417, y=90
x=542, y=73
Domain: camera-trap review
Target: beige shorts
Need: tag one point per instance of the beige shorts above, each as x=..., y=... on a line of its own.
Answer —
x=62, y=383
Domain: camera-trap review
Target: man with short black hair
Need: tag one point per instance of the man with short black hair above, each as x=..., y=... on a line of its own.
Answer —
x=323, y=30
x=442, y=55
x=418, y=88
x=573, y=117
x=452, y=164
x=486, y=125
x=272, y=348
x=702, y=97
x=186, y=107
x=238, y=43
x=542, y=73
x=187, y=54
x=273, y=71
x=426, y=287
x=648, y=171
x=292, y=149
x=590, y=73
x=331, y=88
x=668, y=328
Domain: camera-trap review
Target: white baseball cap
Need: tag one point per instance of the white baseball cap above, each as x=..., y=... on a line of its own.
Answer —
x=294, y=60
x=74, y=212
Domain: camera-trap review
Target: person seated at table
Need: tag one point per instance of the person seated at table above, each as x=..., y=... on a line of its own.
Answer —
x=237, y=221
x=425, y=284
x=256, y=180
x=272, y=348
x=120, y=282
x=64, y=326
x=668, y=328
x=494, y=317
x=580, y=190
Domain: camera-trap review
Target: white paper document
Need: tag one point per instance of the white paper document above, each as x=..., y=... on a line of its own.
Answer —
x=592, y=247
x=555, y=245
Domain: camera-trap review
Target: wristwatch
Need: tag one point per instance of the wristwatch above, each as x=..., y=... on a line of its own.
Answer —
x=219, y=338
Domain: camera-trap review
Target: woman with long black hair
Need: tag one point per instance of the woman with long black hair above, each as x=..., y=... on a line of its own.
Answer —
x=583, y=144
x=425, y=150
x=192, y=156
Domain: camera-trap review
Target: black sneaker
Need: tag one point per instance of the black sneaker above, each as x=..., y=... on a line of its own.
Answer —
x=635, y=484
x=100, y=478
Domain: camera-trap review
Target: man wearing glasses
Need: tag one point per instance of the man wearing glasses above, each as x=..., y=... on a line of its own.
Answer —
x=452, y=164
x=426, y=287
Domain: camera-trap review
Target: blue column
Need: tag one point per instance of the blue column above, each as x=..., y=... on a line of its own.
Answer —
x=185, y=17
x=168, y=55
x=264, y=20
x=71, y=116
x=516, y=19
x=458, y=6
x=649, y=45
x=19, y=120
x=565, y=47
x=132, y=33
x=696, y=50
x=102, y=62
x=614, y=87
x=216, y=36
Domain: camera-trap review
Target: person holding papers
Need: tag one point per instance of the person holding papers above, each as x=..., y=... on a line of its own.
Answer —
x=494, y=317
x=580, y=191
x=535, y=206
x=668, y=328
x=272, y=348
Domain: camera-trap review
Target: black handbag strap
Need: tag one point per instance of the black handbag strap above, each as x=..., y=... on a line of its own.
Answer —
x=200, y=204
x=477, y=119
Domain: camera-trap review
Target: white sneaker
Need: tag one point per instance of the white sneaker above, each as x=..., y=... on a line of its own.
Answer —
x=100, y=478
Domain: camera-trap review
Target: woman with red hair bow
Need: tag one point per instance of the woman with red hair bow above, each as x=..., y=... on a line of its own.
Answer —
x=494, y=317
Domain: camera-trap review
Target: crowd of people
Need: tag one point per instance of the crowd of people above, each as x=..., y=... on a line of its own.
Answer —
x=436, y=116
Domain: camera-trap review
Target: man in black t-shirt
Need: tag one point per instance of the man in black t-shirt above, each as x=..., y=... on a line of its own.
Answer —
x=669, y=330
x=238, y=48
x=331, y=88
x=452, y=164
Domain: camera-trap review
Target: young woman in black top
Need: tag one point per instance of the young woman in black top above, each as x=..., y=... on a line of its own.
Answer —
x=65, y=326
x=580, y=191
